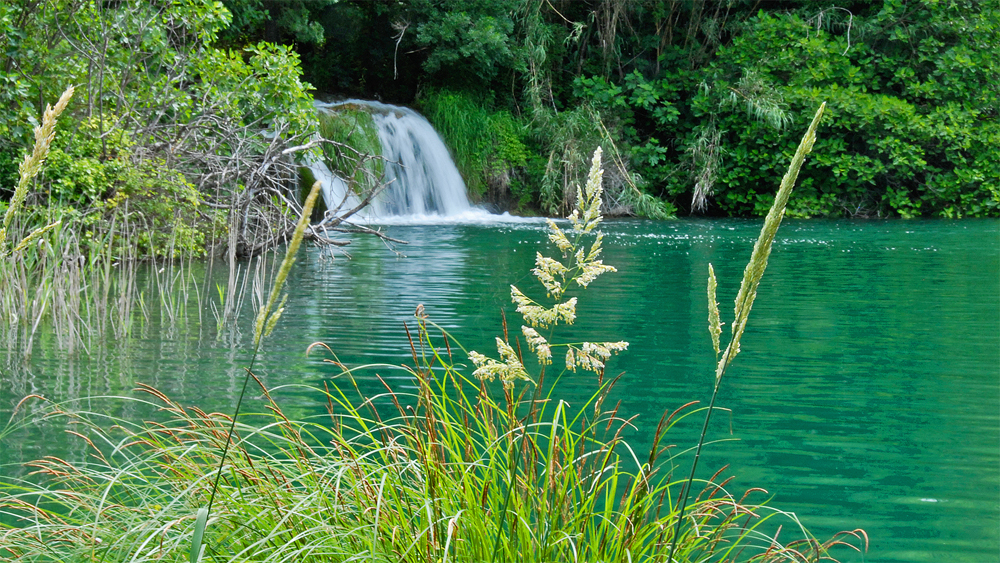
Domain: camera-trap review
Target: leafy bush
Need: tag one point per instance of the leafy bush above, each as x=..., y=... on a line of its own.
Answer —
x=168, y=121
x=259, y=86
x=93, y=179
x=469, y=42
x=913, y=123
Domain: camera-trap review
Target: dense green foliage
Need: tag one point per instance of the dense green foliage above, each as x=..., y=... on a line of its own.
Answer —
x=913, y=96
x=698, y=94
x=165, y=130
x=92, y=186
x=694, y=95
x=488, y=147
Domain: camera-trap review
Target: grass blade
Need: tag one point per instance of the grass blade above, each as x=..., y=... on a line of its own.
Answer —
x=197, y=547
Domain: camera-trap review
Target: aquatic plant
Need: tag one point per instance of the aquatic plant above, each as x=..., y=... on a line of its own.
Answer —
x=80, y=278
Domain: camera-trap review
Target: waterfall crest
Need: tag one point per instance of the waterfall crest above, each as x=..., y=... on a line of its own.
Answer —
x=422, y=180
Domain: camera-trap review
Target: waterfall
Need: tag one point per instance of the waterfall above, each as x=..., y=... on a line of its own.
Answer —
x=422, y=181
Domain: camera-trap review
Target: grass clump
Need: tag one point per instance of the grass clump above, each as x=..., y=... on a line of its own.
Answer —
x=527, y=165
x=80, y=218
x=487, y=145
x=455, y=469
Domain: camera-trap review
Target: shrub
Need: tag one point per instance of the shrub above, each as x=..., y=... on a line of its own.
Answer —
x=93, y=179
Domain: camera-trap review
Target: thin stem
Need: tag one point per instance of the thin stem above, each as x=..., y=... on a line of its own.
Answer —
x=266, y=318
x=510, y=489
x=686, y=488
x=232, y=428
x=744, y=300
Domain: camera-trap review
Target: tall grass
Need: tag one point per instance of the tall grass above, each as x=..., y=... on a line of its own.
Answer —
x=456, y=474
x=46, y=274
x=84, y=291
x=82, y=288
x=464, y=124
x=453, y=468
x=752, y=275
x=486, y=144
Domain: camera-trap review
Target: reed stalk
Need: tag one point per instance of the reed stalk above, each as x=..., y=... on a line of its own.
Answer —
x=30, y=167
x=752, y=275
x=267, y=318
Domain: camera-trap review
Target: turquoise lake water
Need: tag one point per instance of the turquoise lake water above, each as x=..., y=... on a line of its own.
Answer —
x=867, y=394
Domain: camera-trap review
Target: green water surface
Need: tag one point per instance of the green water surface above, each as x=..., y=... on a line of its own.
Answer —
x=867, y=394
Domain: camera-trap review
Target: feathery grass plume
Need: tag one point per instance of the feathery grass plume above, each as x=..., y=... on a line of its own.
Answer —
x=508, y=371
x=744, y=300
x=591, y=356
x=546, y=270
x=714, y=325
x=762, y=248
x=558, y=237
x=579, y=265
x=538, y=344
x=34, y=235
x=542, y=317
x=32, y=164
x=265, y=318
x=589, y=200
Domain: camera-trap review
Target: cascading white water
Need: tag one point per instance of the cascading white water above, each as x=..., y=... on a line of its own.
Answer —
x=422, y=181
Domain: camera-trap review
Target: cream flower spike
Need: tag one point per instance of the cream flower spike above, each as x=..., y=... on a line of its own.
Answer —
x=538, y=345
x=558, y=237
x=508, y=371
x=579, y=265
x=592, y=356
x=547, y=271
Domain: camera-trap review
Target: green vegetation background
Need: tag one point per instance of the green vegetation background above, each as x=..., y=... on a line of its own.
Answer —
x=697, y=94
x=699, y=102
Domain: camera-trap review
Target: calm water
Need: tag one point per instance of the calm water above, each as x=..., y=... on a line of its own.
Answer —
x=867, y=394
